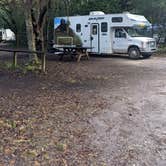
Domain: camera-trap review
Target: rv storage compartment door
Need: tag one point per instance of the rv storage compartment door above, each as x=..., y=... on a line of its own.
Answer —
x=95, y=38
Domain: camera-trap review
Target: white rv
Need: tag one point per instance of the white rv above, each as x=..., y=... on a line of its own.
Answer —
x=123, y=33
x=6, y=35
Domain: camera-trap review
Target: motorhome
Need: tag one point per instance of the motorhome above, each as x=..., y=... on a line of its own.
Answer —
x=6, y=35
x=123, y=33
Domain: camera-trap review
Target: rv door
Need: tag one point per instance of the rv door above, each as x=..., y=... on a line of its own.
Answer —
x=120, y=41
x=95, y=38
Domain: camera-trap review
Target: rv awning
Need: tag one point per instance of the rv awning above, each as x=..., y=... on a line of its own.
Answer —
x=138, y=20
x=131, y=20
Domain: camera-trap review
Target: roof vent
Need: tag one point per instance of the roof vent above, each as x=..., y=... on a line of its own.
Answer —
x=96, y=13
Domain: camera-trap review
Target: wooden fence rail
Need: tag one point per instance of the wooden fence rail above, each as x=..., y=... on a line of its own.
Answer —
x=16, y=51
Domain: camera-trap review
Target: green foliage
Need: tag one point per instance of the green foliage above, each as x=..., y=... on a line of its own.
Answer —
x=33, y=66
x=12, y=124
x=11, y=12
x=8, y=66
x=61, y=147
x=81, y=7
x=162, y=49
x=29, y=67
x=154, y=10
x=12, y=17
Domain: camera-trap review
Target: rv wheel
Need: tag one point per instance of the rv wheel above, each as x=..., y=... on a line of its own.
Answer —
x=134, y=53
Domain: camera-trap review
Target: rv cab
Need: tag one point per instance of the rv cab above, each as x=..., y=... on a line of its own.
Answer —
x=133, y=41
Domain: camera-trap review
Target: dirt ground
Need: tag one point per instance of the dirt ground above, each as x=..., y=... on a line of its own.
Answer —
x=101, y=112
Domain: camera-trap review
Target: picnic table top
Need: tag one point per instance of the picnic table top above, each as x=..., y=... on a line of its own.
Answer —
x=71, y=47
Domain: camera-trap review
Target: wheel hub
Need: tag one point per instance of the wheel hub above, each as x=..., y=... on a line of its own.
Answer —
x=133, y=53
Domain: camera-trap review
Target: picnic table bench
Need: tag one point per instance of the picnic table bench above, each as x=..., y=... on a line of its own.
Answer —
x=73, y=51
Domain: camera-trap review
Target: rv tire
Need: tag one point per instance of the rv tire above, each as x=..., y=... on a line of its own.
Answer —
x=134, y=52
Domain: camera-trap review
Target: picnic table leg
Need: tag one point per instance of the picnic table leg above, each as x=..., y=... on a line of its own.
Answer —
x=61, y=57
x=65, y=51
x=79, y=56
x=72, y=56
x=87, y=54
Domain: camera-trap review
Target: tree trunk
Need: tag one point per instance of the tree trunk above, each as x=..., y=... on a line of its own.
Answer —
x=17, y=39
x=30, y=36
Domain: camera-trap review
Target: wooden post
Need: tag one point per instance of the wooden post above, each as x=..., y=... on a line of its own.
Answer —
x=15, y=59
x=44, y=62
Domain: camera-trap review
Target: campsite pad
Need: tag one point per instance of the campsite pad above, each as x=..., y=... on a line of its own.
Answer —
x=105, y=111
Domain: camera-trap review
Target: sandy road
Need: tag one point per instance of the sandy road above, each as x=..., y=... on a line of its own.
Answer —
x=132, y=130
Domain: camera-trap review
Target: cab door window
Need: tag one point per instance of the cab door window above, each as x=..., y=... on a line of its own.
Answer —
x=119, y=33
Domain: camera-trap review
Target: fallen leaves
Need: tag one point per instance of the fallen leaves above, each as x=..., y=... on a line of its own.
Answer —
x=8, y=123
x=72, y=81
x=8, y=151
x=36, y=163
x=61, y=147
x=31, y=154
x=44, y=120
x=19, y=141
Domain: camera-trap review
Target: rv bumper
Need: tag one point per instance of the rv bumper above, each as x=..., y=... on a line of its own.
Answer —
x=148, y=51
x=148, y=47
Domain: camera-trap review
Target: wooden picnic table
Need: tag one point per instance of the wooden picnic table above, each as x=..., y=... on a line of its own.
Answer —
x=73, y=51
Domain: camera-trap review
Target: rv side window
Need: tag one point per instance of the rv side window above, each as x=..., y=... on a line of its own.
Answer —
x=94, y=30
x=104, y=27
x=78, y=27
x=117, y=19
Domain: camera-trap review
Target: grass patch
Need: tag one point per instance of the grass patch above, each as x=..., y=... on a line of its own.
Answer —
x=9, y=66
x=162, y=49
x=29, y=67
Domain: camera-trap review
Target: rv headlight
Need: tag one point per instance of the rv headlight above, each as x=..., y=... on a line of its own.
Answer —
x=144, y=44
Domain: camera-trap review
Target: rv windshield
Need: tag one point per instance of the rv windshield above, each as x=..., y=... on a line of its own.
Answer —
x=138, y=32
